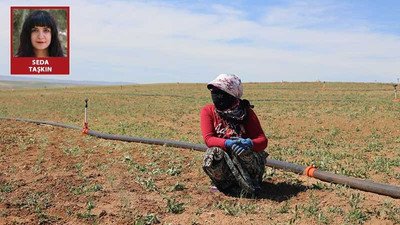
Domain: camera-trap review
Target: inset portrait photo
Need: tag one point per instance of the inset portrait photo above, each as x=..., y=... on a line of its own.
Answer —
x=39, y=40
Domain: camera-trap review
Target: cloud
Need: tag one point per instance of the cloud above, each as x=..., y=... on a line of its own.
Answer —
x=301, y=14
x=226, y=11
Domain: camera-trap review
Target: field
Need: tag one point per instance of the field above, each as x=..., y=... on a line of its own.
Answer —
x=57, y=175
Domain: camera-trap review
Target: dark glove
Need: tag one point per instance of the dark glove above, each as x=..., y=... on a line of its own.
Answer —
x=230, y=142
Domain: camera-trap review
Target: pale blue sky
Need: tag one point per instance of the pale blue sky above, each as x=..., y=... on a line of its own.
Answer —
x=194, y=41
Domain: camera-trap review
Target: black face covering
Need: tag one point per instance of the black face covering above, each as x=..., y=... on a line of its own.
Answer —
x=222, y=100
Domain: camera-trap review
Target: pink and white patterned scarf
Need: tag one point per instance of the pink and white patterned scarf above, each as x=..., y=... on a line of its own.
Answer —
x=230, y=83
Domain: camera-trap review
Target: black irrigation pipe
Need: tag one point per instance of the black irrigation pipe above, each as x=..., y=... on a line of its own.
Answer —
x=365, y=185
x=131, y=93
x=43, y=122
x=313, y=89
x=359, y=90
x=313, y=100
x=256, y=100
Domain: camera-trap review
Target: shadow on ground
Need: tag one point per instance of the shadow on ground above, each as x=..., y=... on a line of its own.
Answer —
x=278, y=192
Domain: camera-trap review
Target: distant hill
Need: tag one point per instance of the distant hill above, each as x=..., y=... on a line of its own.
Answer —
x=8, y=85
x=16, y=82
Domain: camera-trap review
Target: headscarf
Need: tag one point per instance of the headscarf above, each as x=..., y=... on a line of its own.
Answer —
x=230, y=83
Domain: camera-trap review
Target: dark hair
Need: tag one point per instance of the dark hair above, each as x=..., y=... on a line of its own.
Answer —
x=39, y=18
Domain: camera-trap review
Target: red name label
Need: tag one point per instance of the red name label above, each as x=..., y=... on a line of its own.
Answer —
x=42, y=66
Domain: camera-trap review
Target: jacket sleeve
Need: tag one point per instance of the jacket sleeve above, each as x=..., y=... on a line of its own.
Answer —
x=207, y=129
x=255, y=132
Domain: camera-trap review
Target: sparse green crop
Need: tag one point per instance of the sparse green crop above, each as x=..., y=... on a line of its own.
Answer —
x=174, y=206
x=234, y=208
x=91, y=180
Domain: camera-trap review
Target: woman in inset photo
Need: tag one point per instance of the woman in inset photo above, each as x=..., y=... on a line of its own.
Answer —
x=39, y=36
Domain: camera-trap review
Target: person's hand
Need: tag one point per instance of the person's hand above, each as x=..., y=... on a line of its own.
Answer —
x=242, y=146
x=238, y=149
x=230, y=142
x=247, y=142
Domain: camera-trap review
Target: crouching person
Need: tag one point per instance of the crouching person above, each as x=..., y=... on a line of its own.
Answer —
x=235, y=158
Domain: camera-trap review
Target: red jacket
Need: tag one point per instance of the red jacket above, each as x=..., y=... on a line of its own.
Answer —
x=252, y=126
